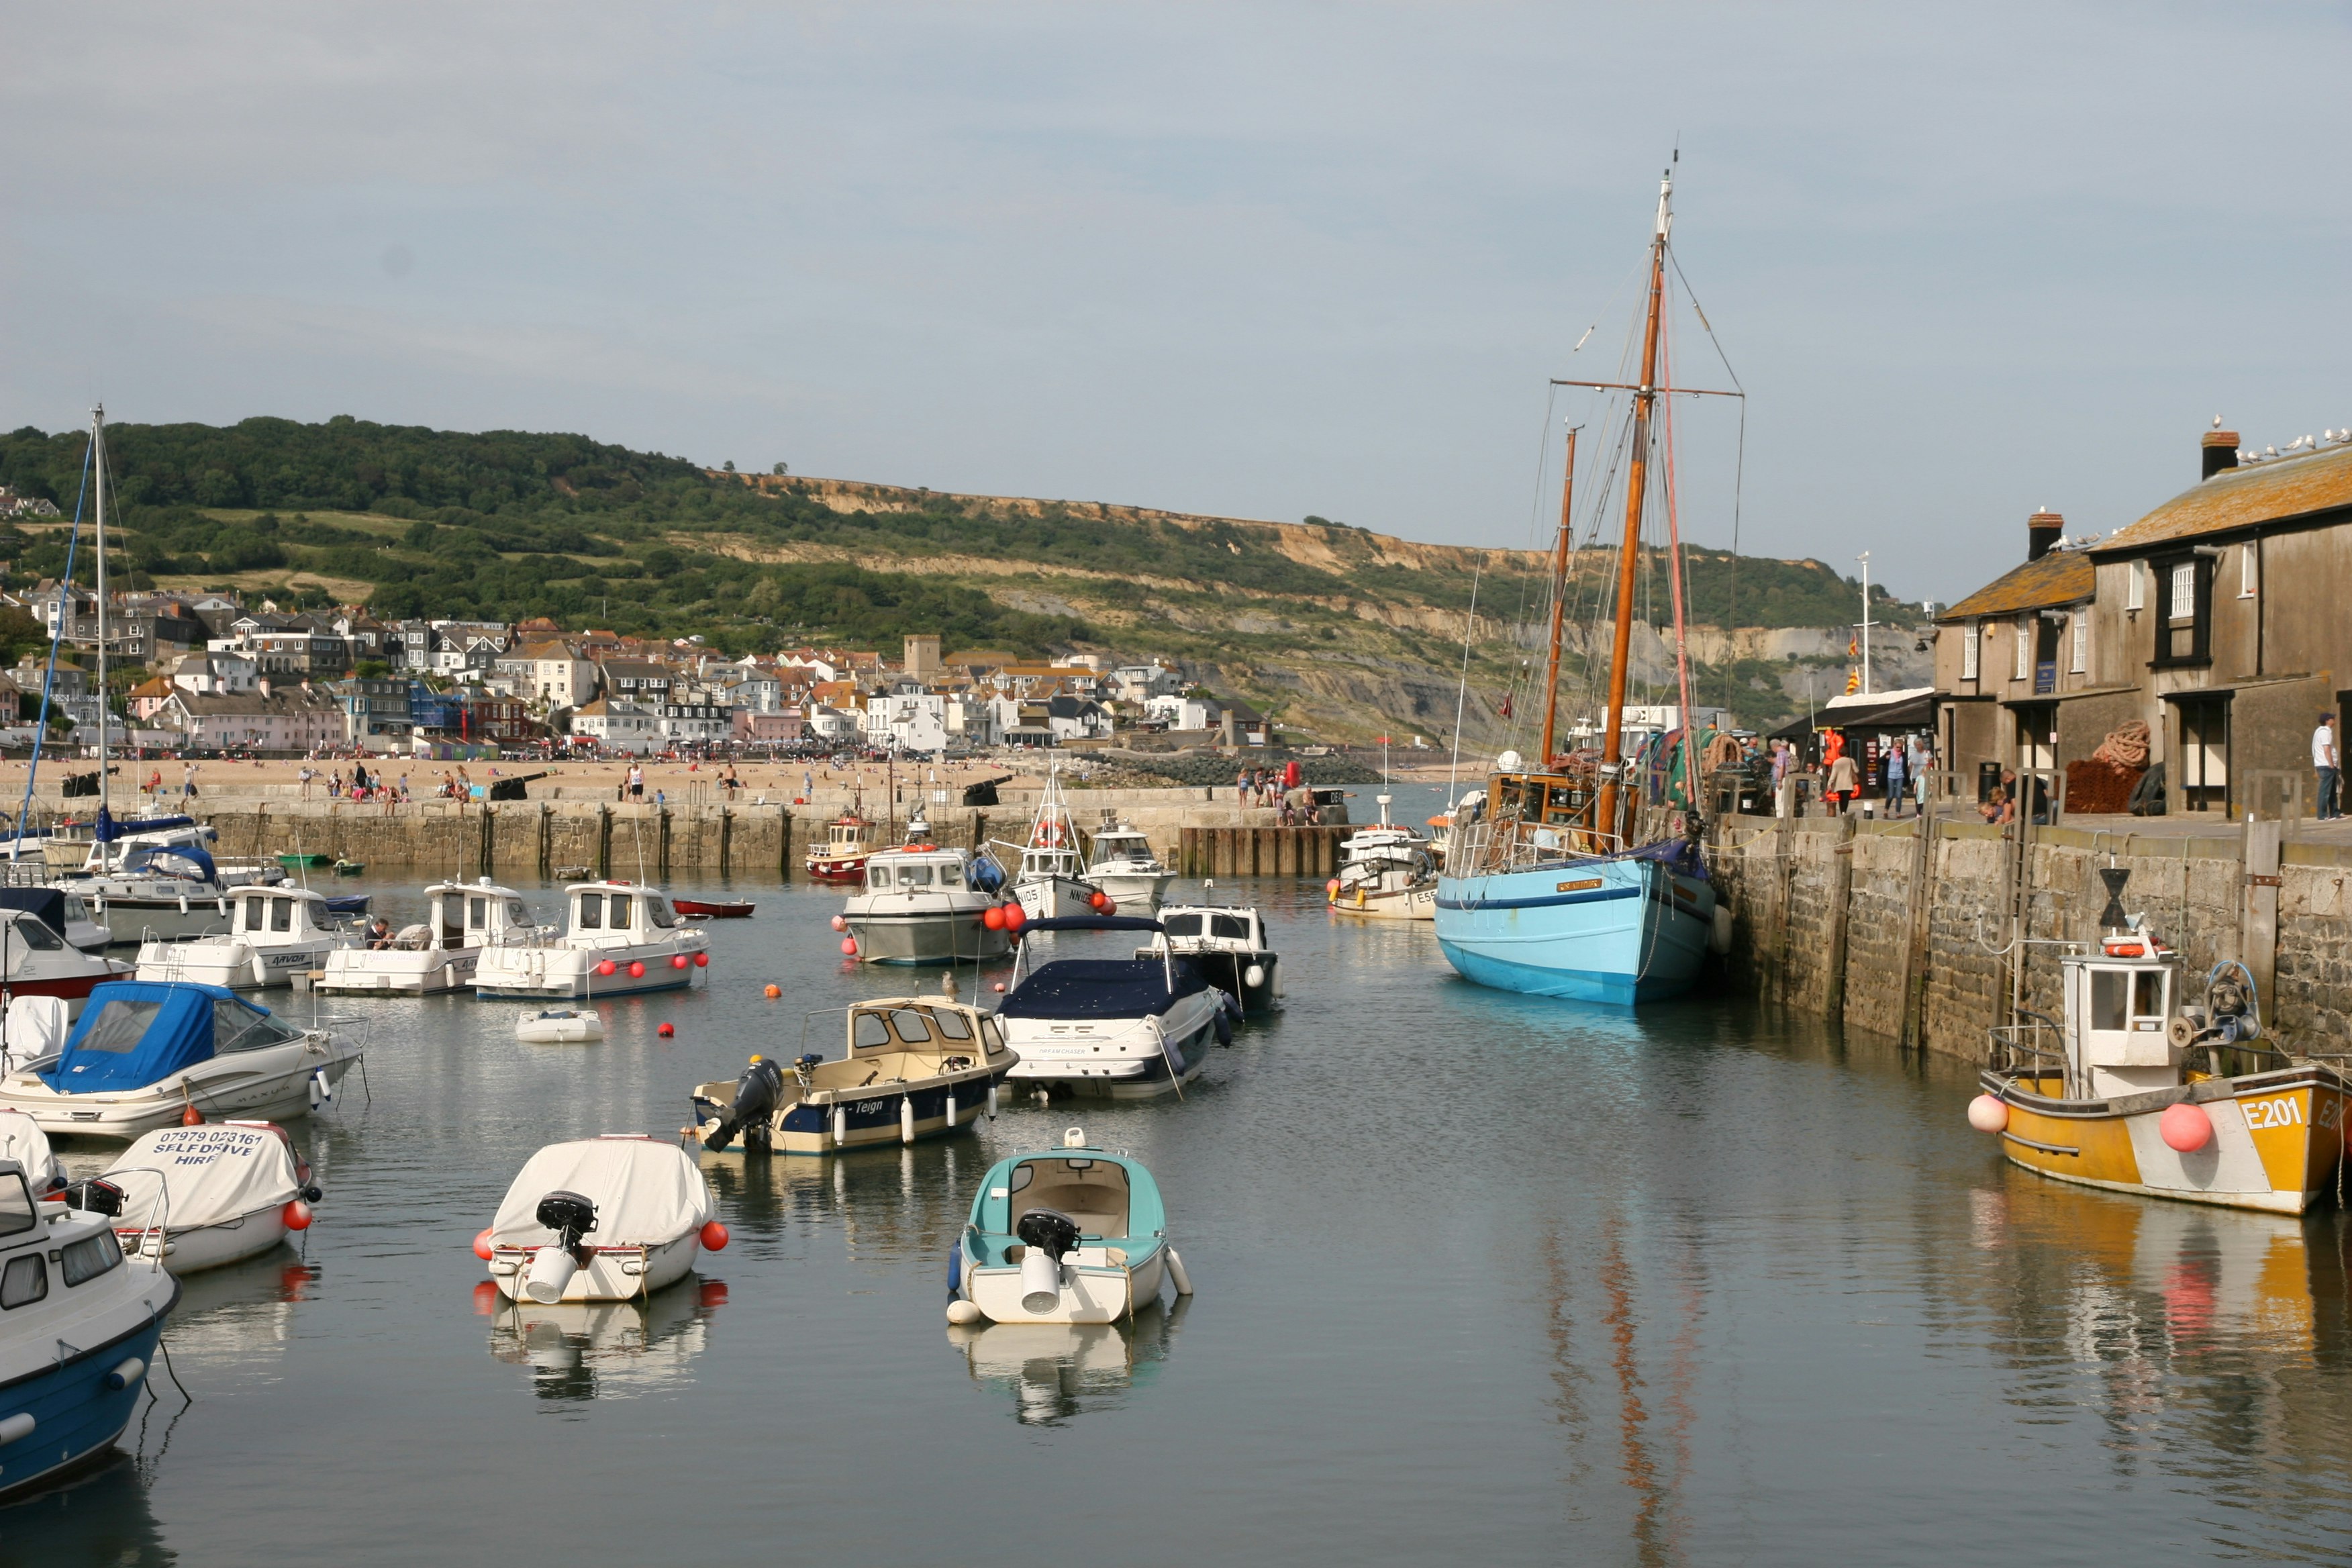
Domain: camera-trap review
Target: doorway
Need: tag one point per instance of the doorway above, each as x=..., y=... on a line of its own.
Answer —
x=2202, y=755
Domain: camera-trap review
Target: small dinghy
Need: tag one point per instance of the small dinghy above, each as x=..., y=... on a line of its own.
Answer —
x=1067, y=1235
x=713, y=909
x=561, y=1027
x=229, y=1191
x=601, y=1219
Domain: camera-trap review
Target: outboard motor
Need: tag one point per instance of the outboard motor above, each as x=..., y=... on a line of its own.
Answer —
x=571, y=1217
x=1050, y=1236
x=757, y=1093
x=96, y=1195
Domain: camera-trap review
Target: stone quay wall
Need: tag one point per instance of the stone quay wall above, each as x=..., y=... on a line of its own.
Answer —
x=1903, y=928
x=757, y=841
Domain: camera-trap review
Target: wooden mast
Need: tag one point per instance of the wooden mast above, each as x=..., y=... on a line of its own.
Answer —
x=1645, y=398
x=1558, y=601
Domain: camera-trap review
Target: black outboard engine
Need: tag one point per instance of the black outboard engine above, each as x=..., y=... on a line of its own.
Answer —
x=757, y=1093
x=96, y=1195
x=571, y=1217
x=1050, y=1236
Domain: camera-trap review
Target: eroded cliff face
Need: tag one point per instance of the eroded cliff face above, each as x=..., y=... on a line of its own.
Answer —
x=1382, y=654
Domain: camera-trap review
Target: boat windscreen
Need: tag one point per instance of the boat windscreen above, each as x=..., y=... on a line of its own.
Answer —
x=1181, y=925
x=1099, y=988
x=867, y=1031
x=119, y=1027
x=1235, y=927
x=951, y=1025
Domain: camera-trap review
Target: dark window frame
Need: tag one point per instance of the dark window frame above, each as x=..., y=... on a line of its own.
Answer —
x=2191, y=645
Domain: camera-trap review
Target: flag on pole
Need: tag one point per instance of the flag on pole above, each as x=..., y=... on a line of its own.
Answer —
x=1853, y=682
x=1854, y=645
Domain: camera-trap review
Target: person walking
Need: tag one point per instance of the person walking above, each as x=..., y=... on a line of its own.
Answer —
x=2328, y=761
x=1840, y=786
x=1898, y=775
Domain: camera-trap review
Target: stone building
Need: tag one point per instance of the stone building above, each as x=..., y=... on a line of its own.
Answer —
x=2222, y=620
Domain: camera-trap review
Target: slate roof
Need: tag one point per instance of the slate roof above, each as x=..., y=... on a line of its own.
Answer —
x=2275, y=491
x=2060, y=577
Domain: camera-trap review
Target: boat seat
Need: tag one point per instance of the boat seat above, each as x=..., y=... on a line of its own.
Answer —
x=1094, y=1199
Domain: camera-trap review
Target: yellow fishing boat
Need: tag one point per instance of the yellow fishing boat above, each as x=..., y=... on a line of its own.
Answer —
x=2141, y=1089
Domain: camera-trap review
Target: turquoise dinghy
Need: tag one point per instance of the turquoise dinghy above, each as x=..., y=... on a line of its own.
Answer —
x=1066, y=1235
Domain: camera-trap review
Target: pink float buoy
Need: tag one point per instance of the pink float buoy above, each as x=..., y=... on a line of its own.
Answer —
x=636, y=970
x=849, y=946
x=677, y=961
x=2185, y=1128
x=1987, y=1114
x=840, y=922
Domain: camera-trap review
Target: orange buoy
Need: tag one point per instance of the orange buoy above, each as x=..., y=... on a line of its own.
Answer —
x=993, y=917
x=774, y=992
x=482, y=1246
x=296, y=1214
x=714, y=1236
x=667, y=1030
x=608, y=969
x=849, y=946
x=191, y=1117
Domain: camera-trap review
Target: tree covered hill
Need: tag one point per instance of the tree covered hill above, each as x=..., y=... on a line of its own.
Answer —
x=505, y=524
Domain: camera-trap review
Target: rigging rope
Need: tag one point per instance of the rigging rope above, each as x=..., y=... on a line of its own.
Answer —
x=49, y=680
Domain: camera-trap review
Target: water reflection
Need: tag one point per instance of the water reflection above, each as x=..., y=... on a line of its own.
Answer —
x=240, y=1319
x=1054, y=1371
x=102, y=1517
x=579, y=1351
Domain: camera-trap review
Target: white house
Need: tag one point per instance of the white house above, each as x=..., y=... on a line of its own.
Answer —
x=695, y=722
x=617, y=724
x=1180, y=712
x=835, y=724
x=907, y=721
x=221, y=673
x=300, y=720
x=1142, y=682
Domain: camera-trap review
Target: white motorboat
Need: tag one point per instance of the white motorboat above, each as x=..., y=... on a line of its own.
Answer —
x=1051, y=881
x=919, y=905
x=23, y=1143
x=35, y=960
x=62, y=910
x=561, y=1027
x=440, y=951
x=1386, y=873
x=601, y=1219
x=622, y=939
x=78, y=1330
x=1128, y=1027
x=1074, y=1234
x=1226, y=944
x=914, y=1066
x=1126, y=870
x=275, y=933
x=162, y=884
x=143, y=1055
x=229, y=1191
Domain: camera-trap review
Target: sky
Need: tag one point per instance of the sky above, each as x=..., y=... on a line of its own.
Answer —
x=1263, y=260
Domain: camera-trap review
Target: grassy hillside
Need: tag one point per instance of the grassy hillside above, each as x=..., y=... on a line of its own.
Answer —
x=1336, y=627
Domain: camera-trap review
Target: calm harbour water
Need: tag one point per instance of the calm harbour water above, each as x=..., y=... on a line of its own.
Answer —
x=1481, y=1278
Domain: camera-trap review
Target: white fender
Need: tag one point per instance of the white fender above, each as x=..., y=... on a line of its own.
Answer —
x=951, y=1111
x=905, y=1119
x=840, y=1126
x=1176, y=1275
x=992, y=1099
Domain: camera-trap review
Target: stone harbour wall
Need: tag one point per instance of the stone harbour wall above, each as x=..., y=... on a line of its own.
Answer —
x=1903, y=930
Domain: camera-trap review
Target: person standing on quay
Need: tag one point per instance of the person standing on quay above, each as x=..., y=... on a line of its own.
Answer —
x=1896, y=775
x=2328, y=761
x=1840, y=785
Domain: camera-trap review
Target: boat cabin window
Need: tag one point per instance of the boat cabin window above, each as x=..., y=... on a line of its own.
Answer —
x=591, y=912
x=516, y=914
x=32, y=933
x=616, y=912
x=254, y=918
x=951, y=875
x=878, y=877
x=2127, y=999
x=1235, y=927
x=867, y=1032
x=477, y=912
x=90, y=1257
x=238, y=1027
x=991, y=1034
x=76, y=910
x=1506, y=794
x=17, y=1211
x=657, y=911
x=119, y=1027
x=27, y=1278
x=951, y=1025
x=1181, y=925
x=281, y=914
x=916, y=875
x=910, y=1026
x=1093, y=1193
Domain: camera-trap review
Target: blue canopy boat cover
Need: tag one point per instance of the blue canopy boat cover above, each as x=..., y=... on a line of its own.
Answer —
x=134, y=1032
x=46, y=905
x=1100, y=988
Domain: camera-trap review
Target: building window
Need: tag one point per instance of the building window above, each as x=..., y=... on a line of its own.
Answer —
x=2185, y=634
x=1969, y=647
x=2246, y=571
x=2134, y=590
x=2024, y=646
x=2081, y=662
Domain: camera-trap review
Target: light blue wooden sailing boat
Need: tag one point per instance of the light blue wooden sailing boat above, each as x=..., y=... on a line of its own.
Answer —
x=1548, y=888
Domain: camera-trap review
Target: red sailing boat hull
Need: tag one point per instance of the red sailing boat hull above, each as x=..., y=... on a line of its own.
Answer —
x=709, y=909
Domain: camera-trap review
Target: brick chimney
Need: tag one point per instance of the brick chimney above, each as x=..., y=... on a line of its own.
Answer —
x=2043, y=529
x=2219, y=450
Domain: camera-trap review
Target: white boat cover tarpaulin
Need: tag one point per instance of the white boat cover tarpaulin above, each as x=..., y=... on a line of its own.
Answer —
x=646, y=1193
x=35, y=1028
x=22, y=1139
x=213, y=1172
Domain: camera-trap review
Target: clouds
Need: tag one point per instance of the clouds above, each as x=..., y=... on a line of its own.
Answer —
x=1263, y=259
